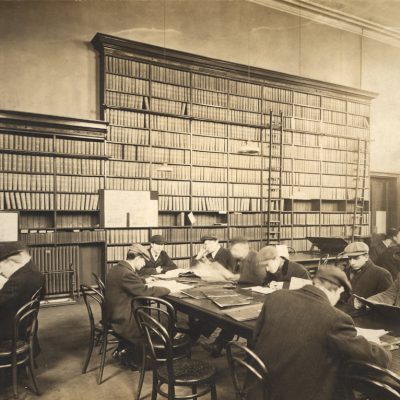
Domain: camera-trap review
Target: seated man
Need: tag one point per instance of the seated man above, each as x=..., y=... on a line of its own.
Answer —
x=303, y=339
x=390, y=260
x=21, y=281
x=123, y=283
x=390, y=296
x=211, y=251
x=392, y=238
x=246, y=265
x=159, y=262
x=279, y=269
x=366, y=278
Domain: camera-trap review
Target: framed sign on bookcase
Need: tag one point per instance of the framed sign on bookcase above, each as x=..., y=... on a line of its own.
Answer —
x=9, y=226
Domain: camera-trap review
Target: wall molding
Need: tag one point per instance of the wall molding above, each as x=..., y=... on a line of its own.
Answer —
x=337, y=19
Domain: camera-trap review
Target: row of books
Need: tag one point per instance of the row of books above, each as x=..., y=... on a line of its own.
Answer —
x=77, y=220
x=174, y=188
x=358, y=108
x=302, y=139
x=26, y=201
x=127, y=67
x=210, y=219
x=169, y=139
x=43, y=236
x=77, y=201
x=26, y=143
x=128, y=184
x=301, y=152
x=217, y=99
x=300, y=179
x=211, y=159
x=126, y=84
x=332, y=143
x=127, y=236
x=306, y=99
x=36, y=221
x=127, y=118
x=170, y=75
x=115, y=253
x=209, y=189
x=300, y=219
x=25, y=163
x=128, y=169
x=79, y=166
x=32, y=183
x=125, y=100
x=79, y=184
x=169, y=107
x=277, y=108
x=130, y=135
x=358, y=121
x=171, y=92
x=345, y=131
x=334, y=117
x=278, y=94
x=170, y=124
x=212, y=174
x=209, y=144
x=55, y=263
x=167, y=203
x=333, y=104
x=307, y=113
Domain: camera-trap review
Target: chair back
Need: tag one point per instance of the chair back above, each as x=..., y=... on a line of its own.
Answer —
x=100, y=283
x=355, y=370
x=369, y=388
x=38, y=294
x=247, y=370
x=160, y=309
x=90, y=294
x=25, y=322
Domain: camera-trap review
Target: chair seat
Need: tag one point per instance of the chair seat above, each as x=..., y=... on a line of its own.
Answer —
x=189, y=371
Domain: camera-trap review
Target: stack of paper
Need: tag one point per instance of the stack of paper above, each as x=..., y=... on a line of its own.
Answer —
x=173, y=286
x=372, y=335
x=262, y=289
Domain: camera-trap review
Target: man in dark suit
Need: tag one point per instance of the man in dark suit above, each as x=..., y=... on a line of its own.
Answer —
x=159, y=262
x=21, y=281
x=390, y=260
x=367, y=279
x=211, y=251
x=303, y=339
x=279, y=269
x=123, y=283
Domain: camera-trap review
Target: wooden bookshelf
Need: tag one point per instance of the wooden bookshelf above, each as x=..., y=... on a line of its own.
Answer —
x=51, y=169
x=194, y=113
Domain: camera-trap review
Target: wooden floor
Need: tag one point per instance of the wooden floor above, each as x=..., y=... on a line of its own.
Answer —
x=63, y=334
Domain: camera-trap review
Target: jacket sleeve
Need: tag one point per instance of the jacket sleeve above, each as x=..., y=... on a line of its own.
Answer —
x=344, y=343
x=9, y=292
x=147, y=271
x=373, y=254
x=389, y=296
x=136, y=287
x=259, y=325
x=301, y=272
x=167, y=263
x=384, y=281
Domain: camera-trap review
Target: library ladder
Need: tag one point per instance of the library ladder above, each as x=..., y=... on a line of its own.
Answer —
x=359, y=195
x=275, y=203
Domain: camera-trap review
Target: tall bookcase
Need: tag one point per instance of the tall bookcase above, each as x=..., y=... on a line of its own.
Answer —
x=196, y=114
x=51, y=169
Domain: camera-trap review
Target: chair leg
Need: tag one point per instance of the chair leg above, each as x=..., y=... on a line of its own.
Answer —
x=142, y=373
x=89, y=353
x=155, y=385
x=194, y=391
x=102, y=359
x=33, y=378
x=15, y=378
x=213, y=391
x=171, y=391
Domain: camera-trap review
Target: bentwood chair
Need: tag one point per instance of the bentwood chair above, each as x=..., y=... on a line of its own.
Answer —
x=165, y=314
x=174, y=373
x=360, y=376
x=36, y=345
x=100, y=284
x=19, y=350
x=247, y=370
x=100, y=331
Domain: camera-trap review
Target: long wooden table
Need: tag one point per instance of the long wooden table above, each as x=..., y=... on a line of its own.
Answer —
x=208, y=311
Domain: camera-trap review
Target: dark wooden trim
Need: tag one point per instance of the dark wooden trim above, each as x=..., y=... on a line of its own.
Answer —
x=103, y=41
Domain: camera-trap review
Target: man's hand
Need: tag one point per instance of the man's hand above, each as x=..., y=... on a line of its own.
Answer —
x=159, y=270
x=202, y=253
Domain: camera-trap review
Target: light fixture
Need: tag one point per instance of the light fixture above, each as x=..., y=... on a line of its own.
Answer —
x=249, y=148
x=164, y=168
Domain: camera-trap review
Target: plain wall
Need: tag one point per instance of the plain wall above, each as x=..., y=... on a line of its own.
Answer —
x=48, y=65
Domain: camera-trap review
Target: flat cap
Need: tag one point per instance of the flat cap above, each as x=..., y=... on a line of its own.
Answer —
x=355, y=249
x=8, y=249
x=208, y=237
x=239, y=239
x=139, y=250
x=334, y=275
x=158, y=239
x=267, y=253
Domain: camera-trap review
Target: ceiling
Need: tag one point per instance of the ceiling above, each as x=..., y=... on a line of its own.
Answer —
x=383, y=12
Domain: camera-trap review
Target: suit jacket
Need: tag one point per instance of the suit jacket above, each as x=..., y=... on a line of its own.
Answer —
x=249, y=271
x=123, y=283
x=163, y=261
x=303, y=340
x=369, y=280
x=223, y=256
x=391, y=296
x=16, y=292
x=390, y=260
x=376, y=250
x=286, y=272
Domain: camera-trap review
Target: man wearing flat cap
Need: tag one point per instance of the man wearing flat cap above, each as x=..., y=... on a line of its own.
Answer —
x=367, y=279
x=159, y=261
x=211, y=251
x=21, y=280
x=303, y=339
x=278, y=268
x=123, y=283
